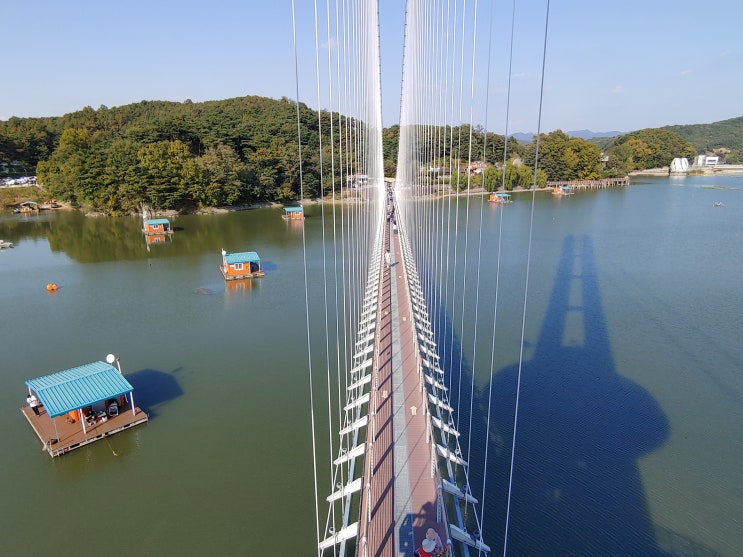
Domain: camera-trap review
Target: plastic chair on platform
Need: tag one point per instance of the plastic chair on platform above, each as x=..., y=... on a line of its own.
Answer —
x=113, y=409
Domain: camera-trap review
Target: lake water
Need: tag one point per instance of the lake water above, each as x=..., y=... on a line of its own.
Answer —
x=628, y=439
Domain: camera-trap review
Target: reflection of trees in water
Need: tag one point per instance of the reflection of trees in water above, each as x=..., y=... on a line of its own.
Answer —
x=98, y=239
x=576, y=485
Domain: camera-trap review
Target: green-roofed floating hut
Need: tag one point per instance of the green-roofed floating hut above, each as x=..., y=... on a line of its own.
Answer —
x=156, y=226
x=82, y=405
x=500, y=198
x=293, y=213
x=562, y=190
x=241, y=265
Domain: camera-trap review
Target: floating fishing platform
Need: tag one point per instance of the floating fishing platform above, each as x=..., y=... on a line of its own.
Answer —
x=562, y=190
x=293, y=213
x=157, y=227
x=82, y=405
x=242, y=265
x=500, y=198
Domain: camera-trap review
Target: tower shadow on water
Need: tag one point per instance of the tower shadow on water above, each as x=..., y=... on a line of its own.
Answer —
x=581, y=429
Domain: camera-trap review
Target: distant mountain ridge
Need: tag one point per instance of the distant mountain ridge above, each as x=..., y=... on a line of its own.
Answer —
x=583, y=134
x=709, y=137
x=706, y=138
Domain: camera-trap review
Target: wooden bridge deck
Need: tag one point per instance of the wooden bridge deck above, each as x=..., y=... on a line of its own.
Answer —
x=401, y=495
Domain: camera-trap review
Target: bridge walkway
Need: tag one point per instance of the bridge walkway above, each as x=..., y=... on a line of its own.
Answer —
x=401, y=494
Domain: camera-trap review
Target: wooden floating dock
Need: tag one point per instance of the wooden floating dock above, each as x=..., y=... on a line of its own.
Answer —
x=590, y=184
x=59, y=436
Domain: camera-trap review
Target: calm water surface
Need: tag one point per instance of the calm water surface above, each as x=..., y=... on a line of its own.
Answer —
x=632, y=398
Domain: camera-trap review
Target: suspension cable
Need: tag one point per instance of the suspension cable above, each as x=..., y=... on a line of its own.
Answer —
x=526, y=284
x=497, y=269
x=306, y=286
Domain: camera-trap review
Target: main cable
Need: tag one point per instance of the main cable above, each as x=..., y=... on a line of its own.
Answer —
x=306, y=288
x=526, y=286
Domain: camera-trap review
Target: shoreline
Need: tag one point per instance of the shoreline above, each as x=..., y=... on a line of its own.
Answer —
x=721, y=170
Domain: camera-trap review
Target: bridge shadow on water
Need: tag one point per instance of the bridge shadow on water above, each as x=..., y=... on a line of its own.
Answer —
x=581, y=429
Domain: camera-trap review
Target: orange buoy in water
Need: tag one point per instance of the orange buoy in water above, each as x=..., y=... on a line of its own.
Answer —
x=51, y=287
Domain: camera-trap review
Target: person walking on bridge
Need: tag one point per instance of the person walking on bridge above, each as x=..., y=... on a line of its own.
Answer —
x=438, y=549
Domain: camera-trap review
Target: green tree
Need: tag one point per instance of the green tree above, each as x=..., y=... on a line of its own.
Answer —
x=123, y=185
x=564, y=158
x=649, y=148
x=222, y=180
x=169, y=170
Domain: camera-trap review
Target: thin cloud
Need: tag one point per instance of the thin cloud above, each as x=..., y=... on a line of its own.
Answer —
x=687, y=71
x=616, y=90
x=331, y=43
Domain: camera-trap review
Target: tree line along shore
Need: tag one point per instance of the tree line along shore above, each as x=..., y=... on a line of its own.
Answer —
x=241, y=152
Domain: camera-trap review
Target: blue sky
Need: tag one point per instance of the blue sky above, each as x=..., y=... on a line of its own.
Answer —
x=610, y=65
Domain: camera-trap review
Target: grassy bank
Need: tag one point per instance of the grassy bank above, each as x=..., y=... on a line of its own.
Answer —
x=10, y=197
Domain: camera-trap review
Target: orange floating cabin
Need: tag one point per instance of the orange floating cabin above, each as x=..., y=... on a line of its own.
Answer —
x=156, y=227
x=500, y=198
x=293, y=213
x=241, y=265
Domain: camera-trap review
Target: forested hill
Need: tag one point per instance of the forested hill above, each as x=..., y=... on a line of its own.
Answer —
x=172, y=155
x=706, y=138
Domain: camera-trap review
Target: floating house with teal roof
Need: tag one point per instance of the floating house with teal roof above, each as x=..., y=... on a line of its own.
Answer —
x=81, y=405
x=242, y=265
x=293, y=213
x=562, y=190
x=500, y=197
x=156, y=226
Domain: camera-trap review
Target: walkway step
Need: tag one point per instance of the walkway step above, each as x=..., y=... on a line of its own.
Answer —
x=440, y=403
x=346, y=533
x=363, y=365
x=356, y=403
x=457, y=492
x=446, y=453
x=462, y=536
x=358, y=424
x=358, y=450
x=347, y=489
x=360, y=383
x=431, y=381
x=444, y=427
x=365, y=339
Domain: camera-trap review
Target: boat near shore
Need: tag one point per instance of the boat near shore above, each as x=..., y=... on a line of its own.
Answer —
x=27, y=207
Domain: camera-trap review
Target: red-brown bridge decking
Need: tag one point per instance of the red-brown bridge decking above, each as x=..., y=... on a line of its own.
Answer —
x=414, y=505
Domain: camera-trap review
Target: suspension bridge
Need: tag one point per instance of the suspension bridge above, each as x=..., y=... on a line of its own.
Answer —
x=397, y=462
